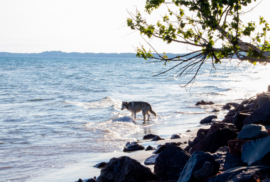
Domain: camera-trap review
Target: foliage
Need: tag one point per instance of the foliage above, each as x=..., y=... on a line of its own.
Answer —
x=207, y=24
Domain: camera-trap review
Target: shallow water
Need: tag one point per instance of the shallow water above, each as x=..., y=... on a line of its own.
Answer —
x=55, y=112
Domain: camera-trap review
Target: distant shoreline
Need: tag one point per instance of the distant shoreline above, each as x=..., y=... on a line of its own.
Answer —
x=60, y=54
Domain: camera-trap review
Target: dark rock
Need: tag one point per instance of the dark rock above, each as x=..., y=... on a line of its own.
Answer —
x=159, y=149
x=259, y=116
x=91, y=180
x=230, y=174
x=206, y=171
x=188, y=131
x=202, y=102
x=228, y=120
x=196, y=163
x=156, y=138
x=235, y=146
x=216, y=139
x=221, y=125
x=252, y=132
x=227, y=160
x=151, y=160
x=125, y=169
x=175, y=136
x=133, y=147
x=215, y=110
x=100, y=165
x=170, y=163
x=163, y=181
x=263, y=98
x=150, y=148
x=149, y=136
x=257, y=152
x=230, y=113
x=201, y=133
x=238, y=120
x=268, y=132
x=229, y=105
x=80, y=180
x=208, y=119
x=185, y=142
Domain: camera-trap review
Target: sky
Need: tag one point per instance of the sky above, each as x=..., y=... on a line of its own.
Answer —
x=32, y=26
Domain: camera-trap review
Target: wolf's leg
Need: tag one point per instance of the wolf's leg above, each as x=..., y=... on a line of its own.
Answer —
x=144, y=113
x=134, y=115
x=148, y=116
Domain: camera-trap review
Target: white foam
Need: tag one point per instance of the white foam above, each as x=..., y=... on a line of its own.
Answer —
x=104, y=103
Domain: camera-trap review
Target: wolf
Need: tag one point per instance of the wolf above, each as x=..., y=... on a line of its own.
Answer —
x=137, y=106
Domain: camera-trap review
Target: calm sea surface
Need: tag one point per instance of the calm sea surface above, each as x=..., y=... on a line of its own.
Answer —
x=56, y=111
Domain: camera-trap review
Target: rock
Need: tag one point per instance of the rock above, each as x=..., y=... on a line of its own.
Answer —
x=235, y=146
x=159, y=149
x=151, y=160
x=229, y=175
x=185, y=142
x=215, y=110
x=188, y=131
x=156, y=138
x=227, y=160
x=230, y=113
x=238, y=120
x=202, y=102
x=208, y=119
x=257, y=152
x=229, y=105
x=133, y=147
x=91, y=180
x=228, y=120
x=268, y=88
x=149, y=136
x=196, y=163
x=206, y=171
x=268, y=132
x=201, y=133
x=263, y=98
x=259, y=116
x=80, y=180
x=221, y=125
x=150, y=148
x=100, y=165
x=170, y=163
x=125, y=169
x=175, y=136
x=216, y=139
x=252, y=132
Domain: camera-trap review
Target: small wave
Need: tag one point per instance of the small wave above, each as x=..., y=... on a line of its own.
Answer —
x=103, y=103
x=190, y=113
x=115, y=130
x=37, y=100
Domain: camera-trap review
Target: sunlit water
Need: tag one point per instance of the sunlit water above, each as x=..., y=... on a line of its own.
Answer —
x=54, y=112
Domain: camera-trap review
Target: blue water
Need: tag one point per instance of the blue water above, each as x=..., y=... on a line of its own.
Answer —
x=56, y=111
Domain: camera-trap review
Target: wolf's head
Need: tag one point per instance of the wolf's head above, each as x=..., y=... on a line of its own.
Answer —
x=124, y=105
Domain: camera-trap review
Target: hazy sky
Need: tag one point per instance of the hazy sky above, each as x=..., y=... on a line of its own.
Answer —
x=78, y=26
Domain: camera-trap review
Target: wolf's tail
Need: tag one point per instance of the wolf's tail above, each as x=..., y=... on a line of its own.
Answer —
x=153, y=112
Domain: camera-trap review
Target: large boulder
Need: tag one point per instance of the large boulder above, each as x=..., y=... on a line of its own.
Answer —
x=227, y=160
x=196, y=164
x=242, y=174
x=213, y=141
x=156, y=138
x=133, y=146
x=263, y=98
x=208, y=119
x=235, y=146
x=170, y=163
x=260, y=116
x=252, y=132
x=201, y=133
x=257, y=152
x=125, y=169
x=220, y=125
x=151, y=160
x=238, y=120
x=229, y=105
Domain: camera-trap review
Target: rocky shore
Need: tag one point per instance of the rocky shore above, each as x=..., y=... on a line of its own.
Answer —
x=235, y=149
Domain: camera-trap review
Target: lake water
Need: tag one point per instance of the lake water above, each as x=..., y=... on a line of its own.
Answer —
x=54, y=112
